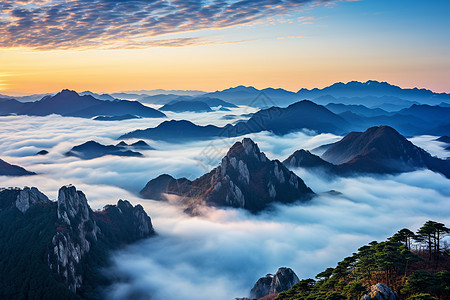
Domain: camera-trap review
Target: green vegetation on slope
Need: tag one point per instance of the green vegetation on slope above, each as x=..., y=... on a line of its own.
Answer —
x=24, y=238
x=413, y=274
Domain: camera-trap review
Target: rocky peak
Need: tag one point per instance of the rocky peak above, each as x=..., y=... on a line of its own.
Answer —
x=75, y=233
x=283, y=280
x=245, y=178
x=71, y=204
x=131, y=222
x=22, y=199
x=380, y=291
x=29, y=197
x=246, y=150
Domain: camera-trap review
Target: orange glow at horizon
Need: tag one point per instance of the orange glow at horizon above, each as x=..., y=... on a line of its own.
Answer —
x=207, y=68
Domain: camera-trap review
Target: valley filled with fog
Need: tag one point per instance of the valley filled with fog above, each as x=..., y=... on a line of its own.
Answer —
x=223, y=251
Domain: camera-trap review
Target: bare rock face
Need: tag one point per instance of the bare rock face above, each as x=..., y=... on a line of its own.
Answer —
x=380, y=291
x=245, y=178
x=283, y=280
x=29, y=197
x=76, y=231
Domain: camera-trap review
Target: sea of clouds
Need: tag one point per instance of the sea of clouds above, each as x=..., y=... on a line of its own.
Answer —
x=222, y=253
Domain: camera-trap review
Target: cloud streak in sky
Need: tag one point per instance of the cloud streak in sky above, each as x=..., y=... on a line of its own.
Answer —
x=75, y=24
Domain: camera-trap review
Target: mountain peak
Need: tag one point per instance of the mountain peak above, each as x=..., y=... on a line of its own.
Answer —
x=245, y=178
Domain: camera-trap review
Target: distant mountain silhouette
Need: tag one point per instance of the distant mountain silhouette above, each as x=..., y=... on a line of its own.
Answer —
x=444, y=139
x=301, y=115
x=377, y=89
x=42, y=152
x=177, y=131
x=242, y=95
x=428, y=113
x=10, y=106
x=187, y=106
x=212, y=102
x=407, y=124
x=7, y=169
x=359, y=109
x=116, y=118
x=98, y=96
x=246, y=178
x=141, y=145
x=117, y=108
x=387, y=103
x=92, y=149
x=171, y=99
x=69, y=103
x=380, y=150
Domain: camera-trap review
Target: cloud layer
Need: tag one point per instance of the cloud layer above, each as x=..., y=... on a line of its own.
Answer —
x=50, y=24
x=223, y=253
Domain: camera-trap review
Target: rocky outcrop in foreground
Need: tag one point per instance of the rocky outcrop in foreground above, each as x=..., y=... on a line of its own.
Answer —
x=72, y=236
x=380, y=291
x=245, y=178
x=283, y=280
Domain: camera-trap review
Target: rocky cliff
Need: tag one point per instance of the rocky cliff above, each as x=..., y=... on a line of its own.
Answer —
x=283, y=280
x=62, y=242
x=245, y=178
x=380, y=291
x=76, y=231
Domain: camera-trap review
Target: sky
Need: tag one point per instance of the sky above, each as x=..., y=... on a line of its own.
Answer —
x=118, y=45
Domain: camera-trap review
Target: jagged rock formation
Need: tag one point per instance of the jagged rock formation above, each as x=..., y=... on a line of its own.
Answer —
x=245, y=178
x=22, y=199
x=13, y=170
x=29, y=197
x=380, y=150
x=283, y=280
x=61, y=243
x=76, y=231
x=78, y=227
x=380, y=291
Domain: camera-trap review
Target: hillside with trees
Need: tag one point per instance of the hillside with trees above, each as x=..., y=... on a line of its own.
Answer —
x=414, y=265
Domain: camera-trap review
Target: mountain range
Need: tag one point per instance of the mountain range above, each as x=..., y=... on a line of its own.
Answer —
x=380, y=150
x=415, y=120
x=69, y=103
x=245, y=178
x=186, y=106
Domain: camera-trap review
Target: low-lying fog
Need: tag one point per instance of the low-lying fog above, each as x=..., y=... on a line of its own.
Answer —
x=223, y=253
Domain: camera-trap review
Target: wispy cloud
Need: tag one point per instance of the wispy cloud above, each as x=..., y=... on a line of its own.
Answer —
x=49, y=24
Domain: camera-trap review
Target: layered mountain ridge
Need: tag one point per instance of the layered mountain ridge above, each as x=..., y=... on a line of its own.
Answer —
x=70, y=103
